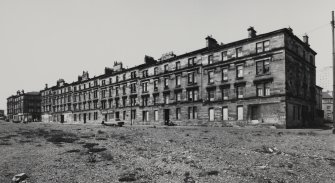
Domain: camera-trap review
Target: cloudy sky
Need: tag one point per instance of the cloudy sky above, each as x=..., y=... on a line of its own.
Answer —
x=44, y=40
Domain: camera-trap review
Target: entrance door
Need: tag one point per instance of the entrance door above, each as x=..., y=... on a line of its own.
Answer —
x=254, y=113
x=62, y=118
x=84, y=117
x=166, y=116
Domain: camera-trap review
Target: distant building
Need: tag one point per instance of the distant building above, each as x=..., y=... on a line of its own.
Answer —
x=327, y=105
x=324, y=78
x=24, y=106
x=267, y=78
x=2, y=114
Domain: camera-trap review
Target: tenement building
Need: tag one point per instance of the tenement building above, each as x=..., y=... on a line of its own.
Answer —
x=267, y=78
x=24, y=107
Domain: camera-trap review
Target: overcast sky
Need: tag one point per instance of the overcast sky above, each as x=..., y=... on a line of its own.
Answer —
x=43, y=40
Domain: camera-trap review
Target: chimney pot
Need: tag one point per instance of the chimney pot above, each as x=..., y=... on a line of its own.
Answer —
x=305, y=39
x=251, y=32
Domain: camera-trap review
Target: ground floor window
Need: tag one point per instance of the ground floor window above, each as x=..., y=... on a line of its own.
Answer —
x=95, y=115
x=79, y=116
x=178, y=113
x=239, y=112
x=224, y=113
x=156, y=115
x=89, y=116
x=192, y=112
x=117, y=115
x=133, y=114
x=75, y=117
x=145, y=115
x=211, y=114
x=124, y=115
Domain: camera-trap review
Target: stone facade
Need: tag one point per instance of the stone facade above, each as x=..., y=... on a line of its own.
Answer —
x=24, y=107
x=327, y=105
x=267, y=78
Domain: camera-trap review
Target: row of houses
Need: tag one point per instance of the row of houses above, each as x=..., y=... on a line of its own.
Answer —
x=267, y=78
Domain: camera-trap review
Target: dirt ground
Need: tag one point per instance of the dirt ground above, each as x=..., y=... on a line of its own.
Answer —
x=94, y=153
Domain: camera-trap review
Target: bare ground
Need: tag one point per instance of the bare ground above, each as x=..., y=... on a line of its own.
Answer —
x=94, y=153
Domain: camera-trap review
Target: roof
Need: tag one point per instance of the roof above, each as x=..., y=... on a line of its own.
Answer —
x=326, y=95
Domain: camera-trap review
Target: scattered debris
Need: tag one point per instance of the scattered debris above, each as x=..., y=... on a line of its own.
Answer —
x=19, y=177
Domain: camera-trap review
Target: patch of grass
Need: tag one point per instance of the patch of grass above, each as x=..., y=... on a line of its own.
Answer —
x=73, y=151
x=107, y=155
x=5, y=143
x=90, y=145
x=97, y=149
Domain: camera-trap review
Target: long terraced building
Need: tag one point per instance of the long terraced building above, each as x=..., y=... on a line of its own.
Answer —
x=267, y=79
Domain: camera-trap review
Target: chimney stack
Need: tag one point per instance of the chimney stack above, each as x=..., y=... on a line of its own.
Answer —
x=46, y=86
x=251, y=32
x=211, y=42
x=305, y=39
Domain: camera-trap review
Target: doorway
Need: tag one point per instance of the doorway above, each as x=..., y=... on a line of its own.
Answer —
x=166, y=116
x=84, y=117
x=62, y=118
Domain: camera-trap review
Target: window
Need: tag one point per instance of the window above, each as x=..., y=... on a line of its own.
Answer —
x=225, y=74
x=133, y=74
x=155, y=99
x=145, y=100
x=210, y=77
x=117, y=79
x=166, y=67
x=103, y=82
x=178, y=113
x=155, y=85
x=178, y=65
x=95, y=94
x=156, y=115
x=328, y=107
x=110, y=81
x=225, y=93
x=145, y=87
x=178, y=80
x=224, y=56
x=211, y=94
x=178, y=96
x=224, y=113
x=124, y=115
x=239, y=112
x=262, y=46
x=124, y=89
x=166, y=82
x=117, y=101
x=103, y=104
x=263, y=67
x=95, y=104
x=191, y=61
x=145, y=115
x=240, y=91
x=210, y=59
x=117, y=115
x=191, y=78
x=239, y=52
x=239, y=71
x=156, y=71
x=75, y=117
x=145, y=73
x=133, y=87
x=124, y=99
x=95, y=115
x=133, y=114
x=124, y=77
x=133, y=101
x=103, y=93
x=263, y=89
x=192, y=113
x=166, y=98
x=110, y=103
x=211, y=114
x=192, y=95
x=116, y=91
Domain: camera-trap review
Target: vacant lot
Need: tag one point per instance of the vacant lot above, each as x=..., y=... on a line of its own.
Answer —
x=87, y=153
